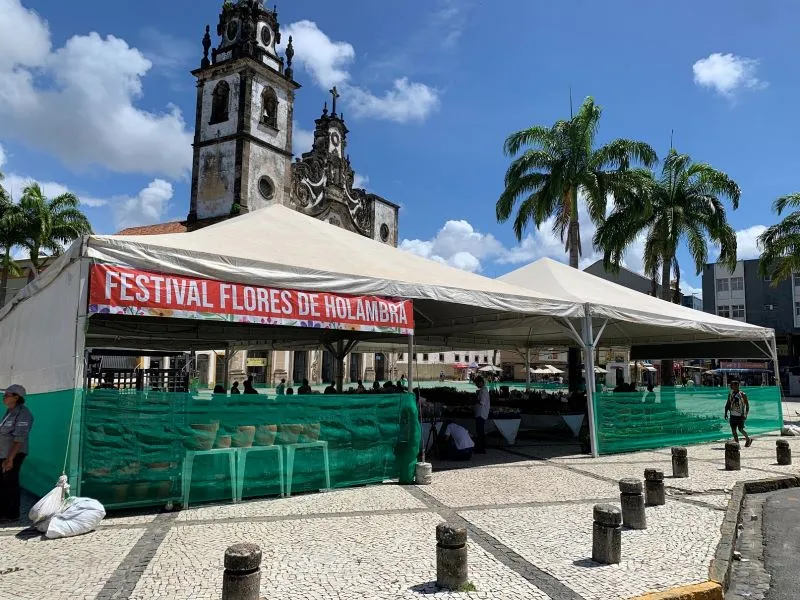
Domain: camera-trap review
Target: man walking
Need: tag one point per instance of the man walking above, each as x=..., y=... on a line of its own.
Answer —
x=738, y=406
x=481, y=415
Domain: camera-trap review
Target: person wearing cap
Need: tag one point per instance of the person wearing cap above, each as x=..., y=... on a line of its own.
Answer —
x=15, y=427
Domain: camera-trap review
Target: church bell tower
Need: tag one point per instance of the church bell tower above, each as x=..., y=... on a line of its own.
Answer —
x=243, y=129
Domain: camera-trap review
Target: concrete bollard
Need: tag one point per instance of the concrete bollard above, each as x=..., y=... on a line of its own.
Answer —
x=423, y=473
x=654, y=494
x=733, y=456
x=784, y=452
x=680, y=462
x=607, y=534
x=451, y=556
x=632, y=502
x=242, y=577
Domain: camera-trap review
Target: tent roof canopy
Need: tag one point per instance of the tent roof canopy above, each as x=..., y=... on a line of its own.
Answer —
x=633, y=318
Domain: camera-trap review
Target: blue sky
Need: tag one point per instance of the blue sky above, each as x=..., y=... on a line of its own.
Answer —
x=430, y=90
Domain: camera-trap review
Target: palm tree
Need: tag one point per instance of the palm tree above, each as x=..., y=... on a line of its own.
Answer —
x=685, y=204
x=10, y=237
x=780, y=243
x=557, y=164
x=50, y=223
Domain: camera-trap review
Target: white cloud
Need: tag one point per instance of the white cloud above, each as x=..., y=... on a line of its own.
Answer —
x=328, y=63
x=77, y=102
x=167, y=52
x=406, y=101
x=360, y=181
x=459, y=245
x=147, y=207
x=2, y=157
x=747, y=245
x=302, y=139
x=726, y=73
x=325, y=60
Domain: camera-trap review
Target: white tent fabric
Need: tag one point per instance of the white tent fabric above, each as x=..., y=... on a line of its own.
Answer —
x=633, y=317
x=280, y=247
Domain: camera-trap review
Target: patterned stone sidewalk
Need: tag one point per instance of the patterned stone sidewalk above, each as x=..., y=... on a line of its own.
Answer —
x=527, y=508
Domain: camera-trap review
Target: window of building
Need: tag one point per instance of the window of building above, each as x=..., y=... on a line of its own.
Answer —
x=269, y=108
x=722, y=285
x=737, y=284
x=441, y=358
x=415, y=356
x=724, y=310
x=425, y=357
x=769, y=307
x=220, y=99
x=737, y=311
x=797, y=309
x=400, y=356
x=485, y=359
x=458, y=358
x=477, y=358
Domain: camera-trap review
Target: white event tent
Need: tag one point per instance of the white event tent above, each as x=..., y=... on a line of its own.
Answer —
x=47, y=329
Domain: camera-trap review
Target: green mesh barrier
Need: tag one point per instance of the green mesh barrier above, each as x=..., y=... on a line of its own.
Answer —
x=137, y=447
x=677, y=416
x=49, y=439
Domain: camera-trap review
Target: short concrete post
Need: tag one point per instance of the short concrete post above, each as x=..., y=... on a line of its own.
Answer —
x=654, y=494
x=680, y=462
x=607, y=534
x=451, y=556
x=784, y=452
x=632, y=502
x=733, y=456
x=423, y=473
x=242, y=577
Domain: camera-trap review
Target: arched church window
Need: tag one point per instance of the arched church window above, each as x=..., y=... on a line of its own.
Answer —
x=269, y=108
x=220, y=99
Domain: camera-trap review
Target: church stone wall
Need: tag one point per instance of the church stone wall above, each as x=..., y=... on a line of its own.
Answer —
x=215, y=181
x=264, y=161
x=385, y=213
x=228, y=127
x=276, y=138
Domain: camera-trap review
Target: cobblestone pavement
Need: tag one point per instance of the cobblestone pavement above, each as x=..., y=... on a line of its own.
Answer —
x=527, y=508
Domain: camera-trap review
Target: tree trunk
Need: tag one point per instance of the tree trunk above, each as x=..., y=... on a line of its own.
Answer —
x=574, y=241
x=667, y=373
x=4, y=276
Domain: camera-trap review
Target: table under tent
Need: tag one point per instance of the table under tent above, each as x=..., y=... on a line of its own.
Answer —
x=269, y=279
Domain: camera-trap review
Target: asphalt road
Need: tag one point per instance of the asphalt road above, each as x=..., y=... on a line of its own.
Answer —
x=781, y=528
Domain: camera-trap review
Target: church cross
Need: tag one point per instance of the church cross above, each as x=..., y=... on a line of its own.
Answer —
x=335, y=93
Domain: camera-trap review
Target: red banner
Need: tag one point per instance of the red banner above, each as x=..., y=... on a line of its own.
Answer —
x=120, y=290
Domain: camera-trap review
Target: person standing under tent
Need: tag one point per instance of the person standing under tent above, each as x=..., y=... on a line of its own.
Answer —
x=738, y=406
x=482, y=403
x=248, y=386
x=235, y=388
x=15, y=428
x=280, y=389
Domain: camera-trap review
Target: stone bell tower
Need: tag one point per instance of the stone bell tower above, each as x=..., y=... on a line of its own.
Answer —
x=243, y=129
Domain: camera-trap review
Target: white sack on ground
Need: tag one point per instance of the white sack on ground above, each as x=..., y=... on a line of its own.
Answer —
x=78, y=516
x=50, y=504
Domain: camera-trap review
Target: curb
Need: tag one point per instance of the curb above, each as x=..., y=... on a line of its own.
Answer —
x=720, y=570
x=699, y=591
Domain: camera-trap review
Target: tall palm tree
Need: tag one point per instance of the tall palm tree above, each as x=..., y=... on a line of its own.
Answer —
x=780, y=243
x=50, y=223
x=553, y=166
x=559, y=162
x=685, y=204
x=10, y=237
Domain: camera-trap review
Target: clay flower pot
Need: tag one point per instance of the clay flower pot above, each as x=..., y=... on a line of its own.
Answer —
x=265, y=435
x=244, y=436
x=223, y=441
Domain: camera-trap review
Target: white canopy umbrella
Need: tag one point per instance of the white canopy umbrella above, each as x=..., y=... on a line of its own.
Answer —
x=490, y=369
x=553, y=370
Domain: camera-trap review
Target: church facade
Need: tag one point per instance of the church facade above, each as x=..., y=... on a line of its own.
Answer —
x=243, y=160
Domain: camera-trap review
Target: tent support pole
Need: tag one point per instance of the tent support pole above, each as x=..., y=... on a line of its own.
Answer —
x=226, y=366
x=776, y=367
x=340, y=354
x=588, y=351
x=527, y=369
x=410, y=362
